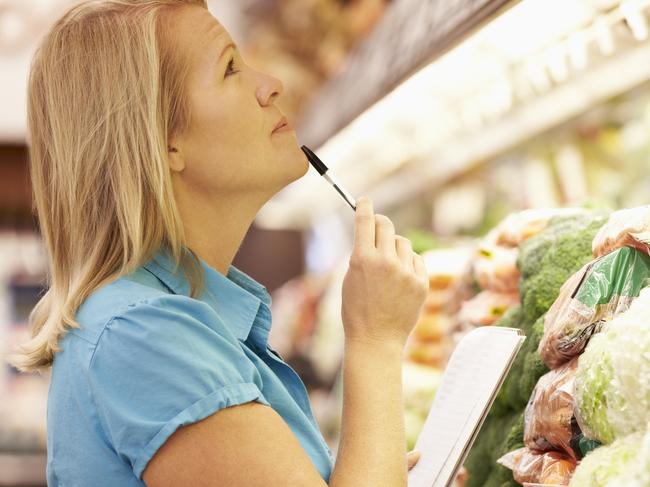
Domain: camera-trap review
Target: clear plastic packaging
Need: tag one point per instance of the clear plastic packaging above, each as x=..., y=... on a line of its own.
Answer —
x=592, y=296
x=625, y=228
x=495, y=268
x=612, y=384
x=530, y=466
x=548, y=418
x=486, y=308
x=523, y=225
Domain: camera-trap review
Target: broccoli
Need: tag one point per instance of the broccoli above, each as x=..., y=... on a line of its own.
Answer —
x=490, y=446
x=566, y=248
x=511, y=318
x=533, y=367
x=515, y=438
x=500, y=477
x=545, y=261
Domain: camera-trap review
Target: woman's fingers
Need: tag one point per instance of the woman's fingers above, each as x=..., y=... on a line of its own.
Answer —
x=404, y=251
x=420, y=267
x=364, y=227
x=385, y=235
x=412, y=458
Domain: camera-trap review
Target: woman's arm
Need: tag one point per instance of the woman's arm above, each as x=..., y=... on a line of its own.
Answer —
x=372, y=448
x=247, y=445
x=250, y=445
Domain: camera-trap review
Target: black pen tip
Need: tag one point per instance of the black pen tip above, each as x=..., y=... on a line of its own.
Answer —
x=314, y=160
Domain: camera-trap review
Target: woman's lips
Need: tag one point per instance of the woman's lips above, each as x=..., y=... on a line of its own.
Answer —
x=282, y=126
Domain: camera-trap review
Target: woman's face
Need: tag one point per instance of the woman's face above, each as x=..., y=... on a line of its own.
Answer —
x=229, y=147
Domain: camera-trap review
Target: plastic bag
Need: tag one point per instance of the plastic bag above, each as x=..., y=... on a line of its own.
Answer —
x=596, y=293
x=625, y=228
x=486, y=308
x=548, y=418
x=530, y=466
x=612, y=384
x=495, y=268
x=523, y=225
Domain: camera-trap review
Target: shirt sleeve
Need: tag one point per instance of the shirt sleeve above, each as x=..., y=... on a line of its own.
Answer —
x=161, y=364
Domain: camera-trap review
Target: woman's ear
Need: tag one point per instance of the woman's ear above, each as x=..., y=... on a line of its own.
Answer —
x=176, y=161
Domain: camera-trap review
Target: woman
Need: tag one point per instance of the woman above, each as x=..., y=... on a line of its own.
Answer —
x=152, y=149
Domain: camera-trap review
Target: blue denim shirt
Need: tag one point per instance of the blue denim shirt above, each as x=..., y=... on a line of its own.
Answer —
x=149, y=359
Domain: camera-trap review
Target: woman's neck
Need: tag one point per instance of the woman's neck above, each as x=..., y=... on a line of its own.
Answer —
x=215, y=230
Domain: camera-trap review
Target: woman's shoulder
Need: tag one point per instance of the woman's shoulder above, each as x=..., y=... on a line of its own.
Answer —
x=135, y=302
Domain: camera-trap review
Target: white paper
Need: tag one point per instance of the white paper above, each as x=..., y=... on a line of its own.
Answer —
x=472, y=378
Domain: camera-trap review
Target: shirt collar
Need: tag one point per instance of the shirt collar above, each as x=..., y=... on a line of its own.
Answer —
x=236, y=297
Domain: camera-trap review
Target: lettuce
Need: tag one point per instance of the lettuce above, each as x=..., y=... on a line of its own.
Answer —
x=612, y=386
x=612, y=465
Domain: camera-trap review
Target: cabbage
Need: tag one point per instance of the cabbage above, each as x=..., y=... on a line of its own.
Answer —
x=593, y=378
x=605, y=465
x=638, y=472
x=612, y=386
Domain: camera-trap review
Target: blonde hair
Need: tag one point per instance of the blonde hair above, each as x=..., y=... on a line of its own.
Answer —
x=105, y=94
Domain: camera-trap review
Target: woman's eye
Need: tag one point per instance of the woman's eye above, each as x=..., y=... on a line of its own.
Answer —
x=231, y=67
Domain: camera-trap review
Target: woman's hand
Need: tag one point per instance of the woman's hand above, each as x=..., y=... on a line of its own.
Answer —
x=386, y=283
x=412, y=458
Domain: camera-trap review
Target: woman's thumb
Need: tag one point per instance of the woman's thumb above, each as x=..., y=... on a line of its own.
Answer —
x=412, y=458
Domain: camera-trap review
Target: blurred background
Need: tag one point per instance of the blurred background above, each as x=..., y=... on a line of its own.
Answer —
x=450, y=115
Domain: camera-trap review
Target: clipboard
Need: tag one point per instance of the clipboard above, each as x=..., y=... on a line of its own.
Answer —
x=470, y=383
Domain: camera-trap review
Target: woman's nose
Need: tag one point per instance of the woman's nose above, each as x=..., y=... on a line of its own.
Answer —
x=269, y=89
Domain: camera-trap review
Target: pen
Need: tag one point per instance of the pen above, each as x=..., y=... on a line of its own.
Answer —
x=322, y=170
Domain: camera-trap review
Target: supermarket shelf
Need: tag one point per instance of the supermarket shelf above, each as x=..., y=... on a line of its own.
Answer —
x=22, y=470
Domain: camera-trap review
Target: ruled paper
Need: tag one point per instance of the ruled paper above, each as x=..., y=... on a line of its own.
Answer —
x=470, y=382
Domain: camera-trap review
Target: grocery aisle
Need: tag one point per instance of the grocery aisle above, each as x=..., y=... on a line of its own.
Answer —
x=509, y=141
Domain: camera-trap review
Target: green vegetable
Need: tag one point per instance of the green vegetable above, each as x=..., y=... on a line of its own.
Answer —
x=545, y=261
x=421, y=241
x=481, y=462
x=587, y=445
x=593, y=376
x=567, y=248
x=515, y=438
x=612, y=387
x=607, y=462
x=533, y=366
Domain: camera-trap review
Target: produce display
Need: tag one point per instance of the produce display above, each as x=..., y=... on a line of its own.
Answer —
x=545, y=262
x=575, y=406
x=486, y=308
x=430, y=342
x=495, y=267
x=586, y=422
